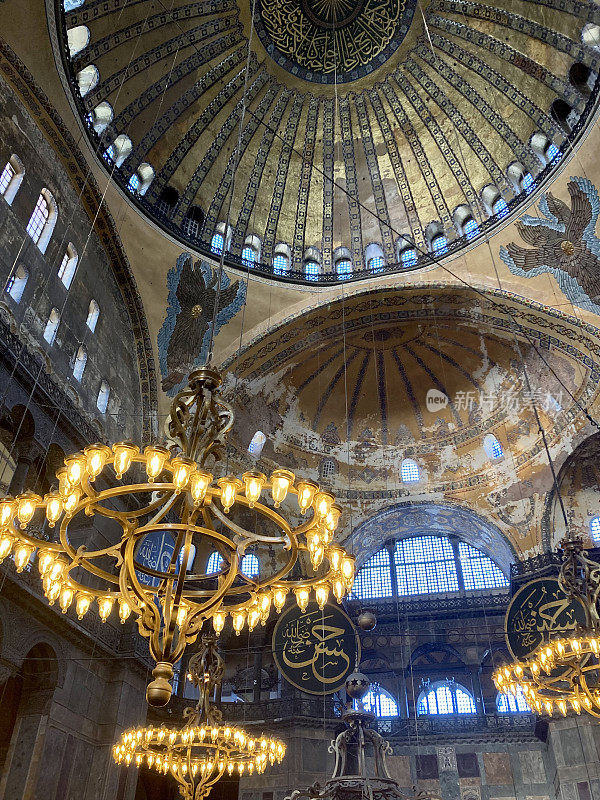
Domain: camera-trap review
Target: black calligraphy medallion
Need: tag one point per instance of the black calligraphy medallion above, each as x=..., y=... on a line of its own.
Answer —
x=540, y=609
x=316, y=650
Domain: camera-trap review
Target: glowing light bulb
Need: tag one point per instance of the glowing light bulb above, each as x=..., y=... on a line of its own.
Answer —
x=321, y=594
x=96, y=456
x=322, y=503
x=8, y=511
x=347, y=569
x=302, y=597
x=281, y=480
x=45, y=561
x=335, y=555
x=254, y=482
x=182, y=613
x=75, y=468
x=26, y=506
x=279, y=596
x=54, y=508
x=82, y=604
x=332, y=518
x=182, y=471
x=55, y=570
x=218, y=621
x=316, y=556
x=156, y=457
x=338, y=589
x=253, y=618
x=105, y=605
x=53, y=592
x=6, y=543
x=71, y=502
x=239, y=620
x=264, y=606
x=66, y=598
x=22, y=555
x=124, y=610
x=199, y=483
x=124, y=454
x=229, y=488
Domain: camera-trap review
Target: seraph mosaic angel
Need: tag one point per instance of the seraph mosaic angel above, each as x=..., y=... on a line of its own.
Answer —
x=184, y=337
x=563, y=242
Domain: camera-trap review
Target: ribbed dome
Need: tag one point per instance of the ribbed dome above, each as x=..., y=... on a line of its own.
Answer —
x=426, y=122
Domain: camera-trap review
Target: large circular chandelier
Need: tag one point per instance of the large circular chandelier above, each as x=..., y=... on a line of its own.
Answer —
x=200, y=752
x=563, y=674
x=116, y=506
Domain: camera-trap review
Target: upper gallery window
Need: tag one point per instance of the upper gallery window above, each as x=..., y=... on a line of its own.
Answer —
x=10, y=178
x=68, y=265
x=15, y=285
x=93, y=314
x=43, y=219
x=446, y=697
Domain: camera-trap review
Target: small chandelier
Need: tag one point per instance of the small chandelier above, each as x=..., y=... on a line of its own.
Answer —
x=564, y=672
x=134, y=496
x=199, y=753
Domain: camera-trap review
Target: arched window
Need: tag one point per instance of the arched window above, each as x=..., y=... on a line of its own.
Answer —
x=191, y=558
x=376, y=264
x=101, y=116
x=590, y=35
x=479, y=571
x=68, y=266
x=79, y=364
x=216, y=243
x=118, y=151
x=464, y=222
x=87, y=79
x=167, y=201
x=43, y=219
x=409, y=471
x=374, y=257
x=425, y=564
x=492, y=447
x=214, y=563
x=439, y=245
x=93, y=314
x=71, y=5
x=343, y=267
x=408, y=257
x=327, y=469
x=11, y=178
x=527, y=182
x=563, y=114
x=445, y=697
x=77, y=39
x=193, y=222
x=512, y=704
x=141, y=179
x=379, y=702
x=15, y=286
x=103, y=396
x=595, y=529
x=257, y=443
x=582, y=78
x=52, y=326
x=470, y=228
x=249, y=565
x=311, y=270
x=251, y=251
x=374, y=579
x=280, y=264
x=500, y=208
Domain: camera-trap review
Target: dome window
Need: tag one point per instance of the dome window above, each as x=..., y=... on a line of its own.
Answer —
x=17, y=282
x=72, y=5
x=380, y=702
x=193, y=222
x=311, y=270
x=582, y=78
x=545, y=150
x=250, y=566
x=77, y=39
x=87, y=79
x=214, y=563
x=436, y=238
x=439, y=245
x=103, y=397
x=590, y=35
x=93, y=315
x=11, y=178
x=409, y=471
x=101, y=117
x=52, y=326
x=595, y=529
x=257, y=443
x=342, y=262
x=492, y=447
x=216, y=243
x=327, y=469
x=283, y=258
x=43, y=219
x=564, y=115
x=251, y=251
x=79, y=365
x=167, y=201
x=68, y=266
x=500, y=208
x=464, y=221
x=140, y=181
x=408, y=257
x=374, y=258
x=118, y=151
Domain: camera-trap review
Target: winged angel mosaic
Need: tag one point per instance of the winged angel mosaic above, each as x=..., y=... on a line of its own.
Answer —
x=184, y=337
x=564, y=243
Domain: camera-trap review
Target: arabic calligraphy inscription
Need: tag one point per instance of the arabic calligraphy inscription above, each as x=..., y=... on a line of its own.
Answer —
x=316, y=650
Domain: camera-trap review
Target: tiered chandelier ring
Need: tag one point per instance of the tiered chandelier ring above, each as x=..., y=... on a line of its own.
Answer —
x=130, y=499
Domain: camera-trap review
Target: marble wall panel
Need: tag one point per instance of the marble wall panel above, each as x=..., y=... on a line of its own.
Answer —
x=498, y=770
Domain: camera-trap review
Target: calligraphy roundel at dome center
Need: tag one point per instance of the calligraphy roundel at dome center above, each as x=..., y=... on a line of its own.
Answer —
x=540, y=610
x=328, y=41
x=315, y=650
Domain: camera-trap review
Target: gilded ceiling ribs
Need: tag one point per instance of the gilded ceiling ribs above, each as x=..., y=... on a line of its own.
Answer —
x=308, y=152
x=356, y=238
x=328, y=187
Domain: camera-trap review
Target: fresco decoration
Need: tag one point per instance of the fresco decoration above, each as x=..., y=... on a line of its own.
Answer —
x=564, y=243
x=184, y=337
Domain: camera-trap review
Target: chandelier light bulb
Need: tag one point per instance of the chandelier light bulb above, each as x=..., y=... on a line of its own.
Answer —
x=182, y=613
x=306, y=494
x=82, y=604
x=26, y=506
x=66, y=598
x=156, y=457
x=6, y=544
x=54, y=508
x=338, y=590
x=302, y=597
x=45, y=560
x=54, y=592
x=316, y=556
x=321, y=595
x=96, y=457
x=199, y=483
x=22, y=555
x=71, y=502
x=323, y=503
x=254, y=482
x=182, y=471
x=253, y=618
x=239, y=620
x=229, y=486
x=335, y=555
x=55, y=570
x=347, y=568
x=63, y=484
x=7, y=511
x=105, y=605
x=279, y=598
x=218, y=622
x=332, y=518
x=124, y=453
x=281, y=480
x=264, y=606
x=75, y=466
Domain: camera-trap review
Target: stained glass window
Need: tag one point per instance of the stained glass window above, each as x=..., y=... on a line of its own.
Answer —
x=409, y=471
x=552, y=153
x=217, y=243
x=250, y=565
x=311, y=270
x=344, y=268
x=374, y=579
x=439, y=245
x=511, y=704
x=215, y=563
x=408, y=257
x=595, y=528
x=425, y=564
x=446, y=698
x=500, y=208
x=470, y=228
x=248, y=256
x=479, y=571
x=280, y=264
x=376, y=264
x=380, y=702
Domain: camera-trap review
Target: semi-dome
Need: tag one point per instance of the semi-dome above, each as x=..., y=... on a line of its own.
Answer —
x=372, y=135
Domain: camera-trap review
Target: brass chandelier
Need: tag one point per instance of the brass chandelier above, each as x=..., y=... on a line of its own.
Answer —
x=200, y=752
x=564, y=673
x=111, y=501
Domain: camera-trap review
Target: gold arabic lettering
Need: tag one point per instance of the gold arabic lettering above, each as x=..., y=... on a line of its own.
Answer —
x=310, y=642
